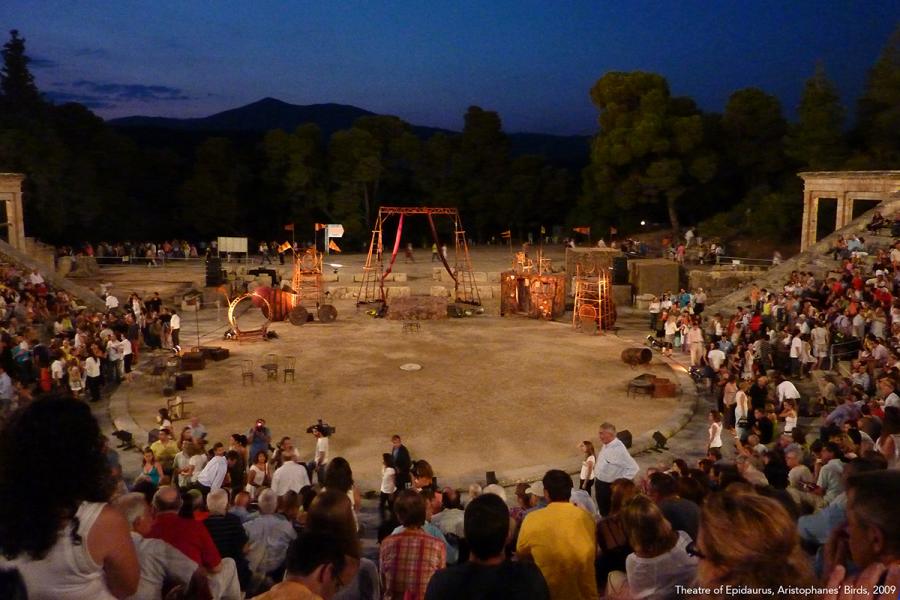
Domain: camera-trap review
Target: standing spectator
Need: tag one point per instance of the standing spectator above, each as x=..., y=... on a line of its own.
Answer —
x=402, y=462
x=561, y=539
x=92, y=373
x=175, y=330
x=714, y=439
x=258, y=476
x=213, y=474
x=409, y=559
x=586, y=476
x=613, y=462
x=64, y=539
x=290, y=476
x=259, y=437
x=388, y=484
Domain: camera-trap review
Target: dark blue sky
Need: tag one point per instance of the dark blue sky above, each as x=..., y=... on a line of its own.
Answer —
x=532, y=61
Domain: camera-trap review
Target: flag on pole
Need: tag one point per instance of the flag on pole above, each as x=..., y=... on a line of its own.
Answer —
x=284, y=247
x=506, y=234
x=320, y=226
x=289, y=227
x=543, y=230
x=584, y=230
x=333, y=246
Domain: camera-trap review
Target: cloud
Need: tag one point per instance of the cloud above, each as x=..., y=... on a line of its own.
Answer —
x=104, y=94
x=130, y=91
x=39, y=62
x=95, y=102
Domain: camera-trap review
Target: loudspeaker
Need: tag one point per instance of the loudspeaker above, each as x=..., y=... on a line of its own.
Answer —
x=490, y=478
x=214, y=276
x=620, y=270
x=624, y=437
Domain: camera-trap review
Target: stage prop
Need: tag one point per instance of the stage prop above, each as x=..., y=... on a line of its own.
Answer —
x=654, y=276
x=238, y=307
x=371, y=290
x=594, y=308
x=417, y=308
x=305, y=296
x=539, y=296
x=589, y=260
x=637, y=356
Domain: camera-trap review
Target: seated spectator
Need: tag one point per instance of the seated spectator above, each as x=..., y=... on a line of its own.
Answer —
x=316, y=568
x=749, y=472
x=872, y=537
x=213, y=474
x=488, y=574
x=240, y=508
x=450, y=520
x=829, y=483
x=682, y=514
x=160, y=562
x=748, y=540
x=409, y=559
x=269, y=535
x=227, y=533
x=192, y=538
x=660, y=560
x=65, y=541
x=561, y=541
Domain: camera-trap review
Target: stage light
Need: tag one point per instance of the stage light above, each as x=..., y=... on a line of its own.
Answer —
x=643, y=223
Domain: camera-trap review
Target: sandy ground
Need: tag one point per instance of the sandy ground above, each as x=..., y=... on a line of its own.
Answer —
x=510, y=395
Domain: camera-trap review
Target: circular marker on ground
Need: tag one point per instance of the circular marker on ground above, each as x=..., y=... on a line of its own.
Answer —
x=411, y=367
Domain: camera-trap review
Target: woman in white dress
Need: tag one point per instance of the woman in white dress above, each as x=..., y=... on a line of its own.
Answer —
x=789, y=414
x=715, y=430
x=586, y=477
x=65, y=541
x=741, y=408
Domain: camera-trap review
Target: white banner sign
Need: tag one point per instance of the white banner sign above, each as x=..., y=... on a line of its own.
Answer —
x=334, y=231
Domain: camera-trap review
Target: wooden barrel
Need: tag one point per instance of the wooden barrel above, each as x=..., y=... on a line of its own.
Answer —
x=637, y=356
x=281, y=302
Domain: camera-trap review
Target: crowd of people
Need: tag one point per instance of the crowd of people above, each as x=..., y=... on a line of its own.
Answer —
x=792, y=498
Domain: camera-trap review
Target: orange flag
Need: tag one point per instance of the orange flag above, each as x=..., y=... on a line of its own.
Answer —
x=289, y=227
x=584, y=230
x=320, y=226
x=506, y=234
x=333, y=246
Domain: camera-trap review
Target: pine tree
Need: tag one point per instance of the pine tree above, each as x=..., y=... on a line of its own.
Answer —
x=879, y=108
x=817, y=140
x=16, y=82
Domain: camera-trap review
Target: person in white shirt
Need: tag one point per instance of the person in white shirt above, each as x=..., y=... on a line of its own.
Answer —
x=715, y=357
x=321, y=458
x=787, y=391
x=213, y=474
x=159, y=560
x=613, y=462
x=290, y=476
x=58, y=371
x=111, y=302
x=175, y=328
x=796, y=346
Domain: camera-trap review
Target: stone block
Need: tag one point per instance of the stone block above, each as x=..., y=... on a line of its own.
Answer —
x=622, y=295
x=480, y=277
x=493, y=276
x=329, y=277
x=439, y=291
x=396, y=291
x=416, y=308
x=436, y=273
x=398, y=277
x=485, y=292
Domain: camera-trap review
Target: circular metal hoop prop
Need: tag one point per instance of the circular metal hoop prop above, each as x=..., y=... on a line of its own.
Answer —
x=327, y=313
x=256, y=300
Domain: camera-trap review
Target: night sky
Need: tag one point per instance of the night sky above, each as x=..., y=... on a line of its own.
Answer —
x=533, y=62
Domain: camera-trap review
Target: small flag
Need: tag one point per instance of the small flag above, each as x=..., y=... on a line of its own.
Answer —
x=506, y=234
x=543, y=230
x=289, y=227
x=333, y=246
x=320, y=226
x=285, y=246
x=584, y=230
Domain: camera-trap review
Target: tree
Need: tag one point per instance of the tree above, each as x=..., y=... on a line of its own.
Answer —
x=20, y=94
x=355, y=169
x=754, y=129
x=817, y=140
x=296, y=171
x=210, y=197
x=878, y=123
x=649, y=150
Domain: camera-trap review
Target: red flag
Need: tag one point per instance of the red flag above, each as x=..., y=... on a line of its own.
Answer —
x=506, y=234
x=289, y=227
x=584, y=230
x=320, y=226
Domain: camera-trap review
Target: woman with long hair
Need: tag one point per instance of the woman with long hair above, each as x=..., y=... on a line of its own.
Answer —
x=339, y=477
x=748, y=540
x=888, y=443
x=56, y=527
x=258, y=476
x=151, y=468
x=660, y=560
x=586, y=477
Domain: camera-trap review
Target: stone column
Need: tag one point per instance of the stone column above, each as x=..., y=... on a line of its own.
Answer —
x=11, y=194
x=810, y=220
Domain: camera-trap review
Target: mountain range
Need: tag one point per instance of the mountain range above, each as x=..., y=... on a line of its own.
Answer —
x=270, y=113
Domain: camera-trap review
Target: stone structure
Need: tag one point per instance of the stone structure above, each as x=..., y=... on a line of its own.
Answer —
x=14, y=220
x=845, y=187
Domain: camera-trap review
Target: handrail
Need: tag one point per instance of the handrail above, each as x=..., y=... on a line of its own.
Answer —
x=744, y=261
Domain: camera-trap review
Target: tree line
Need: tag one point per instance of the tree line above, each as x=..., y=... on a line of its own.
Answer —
x=656, y=158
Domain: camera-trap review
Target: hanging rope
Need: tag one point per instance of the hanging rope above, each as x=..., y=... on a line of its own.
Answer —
x=396, y=248
x=437, y=242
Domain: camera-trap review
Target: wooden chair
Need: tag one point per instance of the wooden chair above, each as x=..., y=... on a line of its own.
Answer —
x=176, y=408
x=157, y=369
x=247, y=372
x=271, y=367
x=290, y=363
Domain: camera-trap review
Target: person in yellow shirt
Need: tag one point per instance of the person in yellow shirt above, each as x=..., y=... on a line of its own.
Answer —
x=561, y=540
x=165, y=449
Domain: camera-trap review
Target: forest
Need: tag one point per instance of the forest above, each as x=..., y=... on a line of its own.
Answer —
x=655, y=157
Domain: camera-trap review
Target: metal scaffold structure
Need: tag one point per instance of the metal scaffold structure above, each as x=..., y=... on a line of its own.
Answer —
x=594, y=306
x=372, y=287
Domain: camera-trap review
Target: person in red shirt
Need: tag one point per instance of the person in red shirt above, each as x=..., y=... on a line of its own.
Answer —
x=193, y=539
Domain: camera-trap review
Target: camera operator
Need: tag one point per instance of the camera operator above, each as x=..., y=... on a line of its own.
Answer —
x=259, y=437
